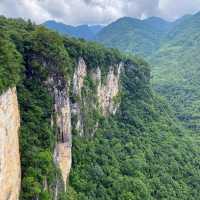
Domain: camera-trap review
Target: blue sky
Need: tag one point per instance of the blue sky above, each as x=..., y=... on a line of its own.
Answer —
x=76, y=12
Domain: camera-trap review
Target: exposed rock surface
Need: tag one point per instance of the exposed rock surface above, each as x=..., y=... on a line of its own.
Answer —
x=64, y=160
x=109, y=89
x=106, y=91
x=10, y=171
x=78, y=82
x=62, y=112
x=79, y=75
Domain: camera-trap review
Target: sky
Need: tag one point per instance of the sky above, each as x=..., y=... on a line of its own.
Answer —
x=76, y=12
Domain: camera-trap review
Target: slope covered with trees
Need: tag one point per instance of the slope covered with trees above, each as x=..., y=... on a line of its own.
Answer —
x=172, y=49
x=176, y=70
x=141, y=37
x=140, y=153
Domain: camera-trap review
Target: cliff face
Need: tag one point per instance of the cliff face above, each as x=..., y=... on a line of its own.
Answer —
x=108, y=91
x=65, y=108
x=78, y=83
x=62, y=122
x=10, y=174
x=79, y=76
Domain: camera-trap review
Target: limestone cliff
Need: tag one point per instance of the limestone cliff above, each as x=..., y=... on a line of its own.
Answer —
x=79, y=75
x=62, y=112
x=65, y=108
x=78, y=82
x=104, y=93
x=110, y=89
x=10, y=174
x=66, y=89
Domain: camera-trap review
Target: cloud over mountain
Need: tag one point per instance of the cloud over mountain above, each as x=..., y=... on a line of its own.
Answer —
x=95, y=11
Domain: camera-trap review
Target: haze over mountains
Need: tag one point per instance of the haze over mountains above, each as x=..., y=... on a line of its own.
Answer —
x=83, y=31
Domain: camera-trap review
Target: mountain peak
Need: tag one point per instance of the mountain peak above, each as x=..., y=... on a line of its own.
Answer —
x=155, y=19
x=127, y=19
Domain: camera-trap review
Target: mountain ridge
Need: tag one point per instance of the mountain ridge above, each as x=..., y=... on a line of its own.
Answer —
x=82, y=31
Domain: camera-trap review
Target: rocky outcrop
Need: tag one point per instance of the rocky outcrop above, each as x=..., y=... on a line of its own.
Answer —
x=108, y=89
x=79, y=75
x=78, y=82
x=10, y=172
x=62, y=112
x=63, y=156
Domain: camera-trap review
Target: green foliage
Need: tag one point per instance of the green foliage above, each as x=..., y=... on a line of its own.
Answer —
x=47, y=49
x=44, y=56
x=176, y=70
x=89, y=107
x=36, y=140
x=10, y=64
x=95, y=55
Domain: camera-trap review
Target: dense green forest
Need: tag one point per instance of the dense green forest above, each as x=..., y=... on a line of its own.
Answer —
x=10, y=62
x=141, y=153
x=176, y=70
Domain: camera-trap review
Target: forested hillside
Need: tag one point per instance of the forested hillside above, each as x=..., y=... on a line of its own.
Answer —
x=139, y=152
x=141, y=37
x=176, y=70
x=172, y=49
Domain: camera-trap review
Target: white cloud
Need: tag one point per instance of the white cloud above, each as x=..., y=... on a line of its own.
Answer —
x=172, y=9
x=95, y=11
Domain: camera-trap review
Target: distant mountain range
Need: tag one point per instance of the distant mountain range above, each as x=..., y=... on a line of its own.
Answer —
x=133, y=35
x=83, y=31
